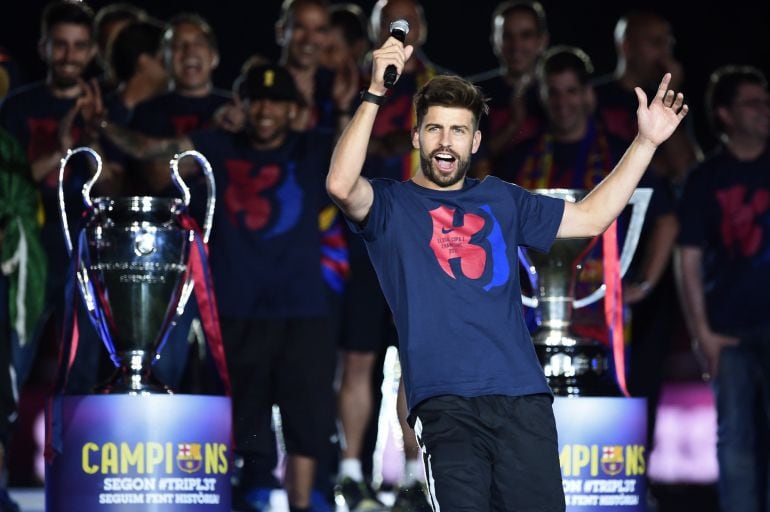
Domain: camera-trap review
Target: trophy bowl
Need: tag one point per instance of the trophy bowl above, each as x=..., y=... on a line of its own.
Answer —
x=131, y=262
x=573, y=365
x=136, y=263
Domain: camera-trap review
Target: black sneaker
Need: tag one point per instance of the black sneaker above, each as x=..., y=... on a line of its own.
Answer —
x=412, y=498
x=352, y=496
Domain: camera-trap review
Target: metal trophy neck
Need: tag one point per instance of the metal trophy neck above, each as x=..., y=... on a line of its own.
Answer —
x=573, y=365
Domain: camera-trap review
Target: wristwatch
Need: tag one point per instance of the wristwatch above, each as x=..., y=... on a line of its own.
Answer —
x=372, y=98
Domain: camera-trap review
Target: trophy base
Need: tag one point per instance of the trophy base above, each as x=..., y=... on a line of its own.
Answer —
x=579, y=367
x=126, y=381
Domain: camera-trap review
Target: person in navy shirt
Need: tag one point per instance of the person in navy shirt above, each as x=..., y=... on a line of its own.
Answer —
x=444, y=247
x=191, y=54
x=265, y=259
x=519, y=36
x=723, y=273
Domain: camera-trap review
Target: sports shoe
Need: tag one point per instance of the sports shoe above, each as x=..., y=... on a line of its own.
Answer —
x=412, y=498
x=352, y=496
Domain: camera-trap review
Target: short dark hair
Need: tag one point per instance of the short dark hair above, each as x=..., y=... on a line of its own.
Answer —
x=450, y=91
x=289, y=6
x=723, y=88
x=351, y=21
x=191, y=18
x=627, y=25
x=532, y=7
x=565, y=58
x=66, y=11
x=115, y=12
x=134, y=40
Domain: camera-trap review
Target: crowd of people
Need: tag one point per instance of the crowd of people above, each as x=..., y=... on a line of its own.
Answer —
x=307, y=306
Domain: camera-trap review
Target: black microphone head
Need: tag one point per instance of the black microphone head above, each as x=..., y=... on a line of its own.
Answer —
x=399, y=29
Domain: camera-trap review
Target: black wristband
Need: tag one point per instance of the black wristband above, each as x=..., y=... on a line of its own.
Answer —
x=372, y=98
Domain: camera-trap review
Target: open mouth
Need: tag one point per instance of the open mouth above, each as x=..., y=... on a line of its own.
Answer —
x=445, y=162
x=191, y=66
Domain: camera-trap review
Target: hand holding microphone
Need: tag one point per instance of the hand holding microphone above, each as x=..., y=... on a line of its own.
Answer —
x=388, y=60
x=398, y=30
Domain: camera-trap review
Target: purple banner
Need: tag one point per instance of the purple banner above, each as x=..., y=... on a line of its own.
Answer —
x=142, y=453
x=602, y=452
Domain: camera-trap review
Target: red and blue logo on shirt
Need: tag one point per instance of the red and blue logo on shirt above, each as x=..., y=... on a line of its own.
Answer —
x=474, y=240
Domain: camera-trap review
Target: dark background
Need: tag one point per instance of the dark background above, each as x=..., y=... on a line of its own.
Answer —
x=708, y=34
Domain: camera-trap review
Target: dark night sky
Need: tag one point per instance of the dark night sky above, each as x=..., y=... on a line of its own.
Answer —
x=708, y=34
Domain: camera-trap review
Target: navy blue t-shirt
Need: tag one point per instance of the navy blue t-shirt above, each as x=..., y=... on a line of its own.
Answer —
x=265, y=242
x=725, y=210
x=32, y=115
x=447, y=264
x=174, y=115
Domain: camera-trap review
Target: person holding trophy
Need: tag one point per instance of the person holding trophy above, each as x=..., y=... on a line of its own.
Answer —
x=445, y=250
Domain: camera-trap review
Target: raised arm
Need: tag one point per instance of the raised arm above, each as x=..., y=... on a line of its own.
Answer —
x=603, y=204
x=130, y=142
x=351, y=192
x=142, y=147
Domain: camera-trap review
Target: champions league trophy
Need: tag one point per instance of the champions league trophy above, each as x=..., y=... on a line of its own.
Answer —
x=574, y=366
x=132, y=270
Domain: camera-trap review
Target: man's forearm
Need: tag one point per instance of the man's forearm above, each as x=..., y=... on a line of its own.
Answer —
x=592, y=215
x=141, y=146
x=687, y=269
x=45, y=165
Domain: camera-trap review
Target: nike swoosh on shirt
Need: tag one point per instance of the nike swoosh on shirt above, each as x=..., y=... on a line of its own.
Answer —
x=444, y=231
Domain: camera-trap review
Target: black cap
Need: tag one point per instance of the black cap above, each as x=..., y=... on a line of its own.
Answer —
x=267, y=81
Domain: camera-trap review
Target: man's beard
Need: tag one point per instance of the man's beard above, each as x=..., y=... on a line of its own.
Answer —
x=435, y=176
x=62, y=81
x=263, y=139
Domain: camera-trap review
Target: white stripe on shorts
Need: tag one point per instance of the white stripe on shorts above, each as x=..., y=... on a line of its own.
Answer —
x=428, y=470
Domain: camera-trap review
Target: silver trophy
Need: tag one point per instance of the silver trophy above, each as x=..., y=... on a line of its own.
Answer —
x=574, y=365
x=132, y=271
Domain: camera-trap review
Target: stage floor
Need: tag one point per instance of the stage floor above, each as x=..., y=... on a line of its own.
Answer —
x=668, y=498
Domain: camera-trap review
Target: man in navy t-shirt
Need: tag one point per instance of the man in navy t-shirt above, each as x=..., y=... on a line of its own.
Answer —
x=444, y=248
x=265, y=254
x=191, y=54
x=519, y=36
x=724, y=275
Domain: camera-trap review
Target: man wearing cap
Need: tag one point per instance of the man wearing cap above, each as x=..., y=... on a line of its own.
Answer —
x=265, y=256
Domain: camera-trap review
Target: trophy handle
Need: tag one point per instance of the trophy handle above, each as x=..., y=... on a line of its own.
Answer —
x=640, y=200
x=81, y=274
x=185, y=190
x=86, y=189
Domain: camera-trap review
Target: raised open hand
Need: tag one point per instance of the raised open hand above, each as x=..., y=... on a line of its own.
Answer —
x=658, y=120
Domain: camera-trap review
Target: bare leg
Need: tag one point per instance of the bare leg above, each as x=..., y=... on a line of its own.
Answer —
x=355, y=400
x=300, y=472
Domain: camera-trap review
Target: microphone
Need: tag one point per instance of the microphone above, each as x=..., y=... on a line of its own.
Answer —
x=398, y=29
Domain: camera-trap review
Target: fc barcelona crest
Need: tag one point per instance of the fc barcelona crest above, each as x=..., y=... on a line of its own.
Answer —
x=612, y=459
x=188, y=457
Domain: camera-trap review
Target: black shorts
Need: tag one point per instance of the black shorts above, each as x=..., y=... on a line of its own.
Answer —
x=288, y=362
x=367, y=323
x=490, y=453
